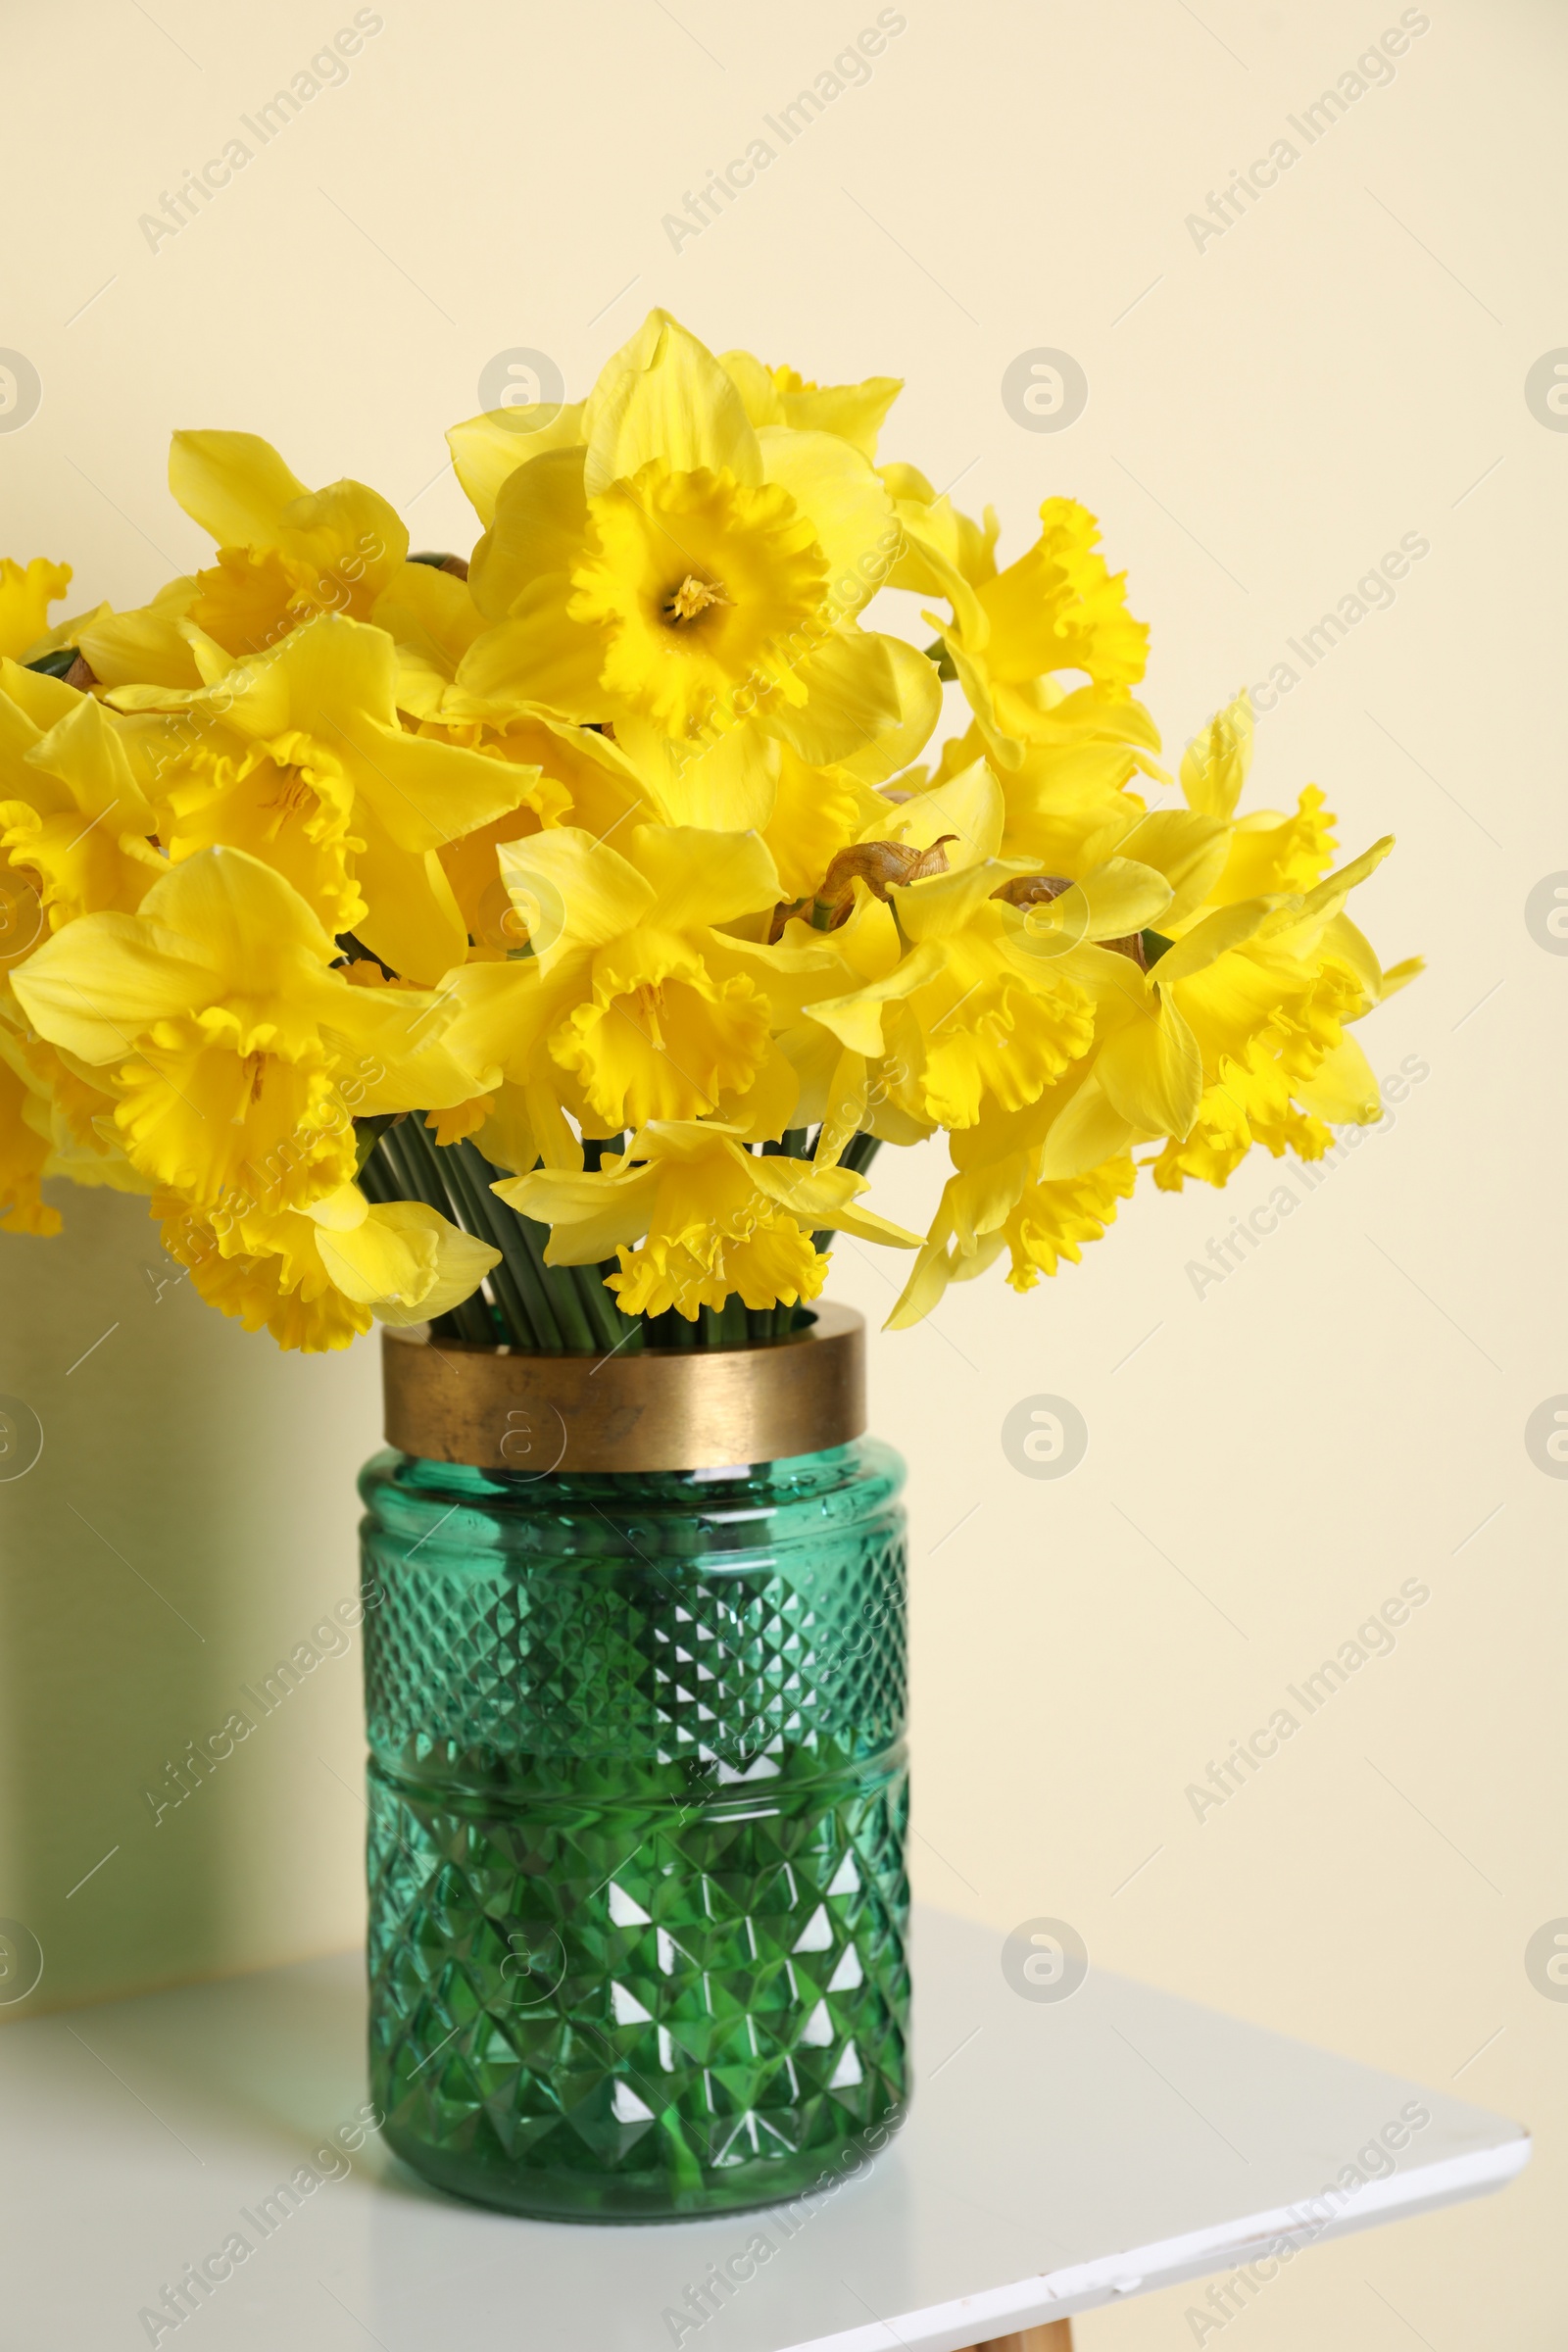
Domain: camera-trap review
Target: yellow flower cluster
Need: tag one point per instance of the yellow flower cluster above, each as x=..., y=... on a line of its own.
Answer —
x=607, y=854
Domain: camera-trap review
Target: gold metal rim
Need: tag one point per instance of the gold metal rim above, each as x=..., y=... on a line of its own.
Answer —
x=497, y=1408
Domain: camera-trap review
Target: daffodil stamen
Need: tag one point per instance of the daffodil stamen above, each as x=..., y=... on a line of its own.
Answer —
x=693, y=597
x=650, y=1004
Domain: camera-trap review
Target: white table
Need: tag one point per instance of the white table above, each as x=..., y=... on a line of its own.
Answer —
x=1059, y=2154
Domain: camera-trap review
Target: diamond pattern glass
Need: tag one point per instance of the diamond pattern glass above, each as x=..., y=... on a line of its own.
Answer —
x=638, y=1796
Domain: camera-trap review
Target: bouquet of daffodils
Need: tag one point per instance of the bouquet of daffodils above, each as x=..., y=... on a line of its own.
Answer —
x=541, y=944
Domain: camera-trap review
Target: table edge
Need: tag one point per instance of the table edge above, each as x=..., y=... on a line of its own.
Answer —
x=974, y=2320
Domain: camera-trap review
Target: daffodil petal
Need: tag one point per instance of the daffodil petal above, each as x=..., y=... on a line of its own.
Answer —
x=847, y=696
x=1343, y=1091
x=236, y=485
x=1090, y=1130
x=856, y=412
x=541, y=516
x=970, y=807
x=1188, y=849
x=699, y=878
x=486, y=450
x=1227, y=927
x=847, y=505
x=1215, y=763
x=919, y=691
x=1151, y=1070
x=666, y=396
x=573, y=891
x=1122, y=897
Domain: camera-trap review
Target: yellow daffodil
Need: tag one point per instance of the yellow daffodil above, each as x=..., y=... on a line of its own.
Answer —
x=634, y=1004
x=996, y=1201
x=285, y=553
x=1219, y=1043
x=401, y=1258
x=75, y=823
x=1232, y=1035
x=751, y=573
x=298, y=757
x=817, y=810
x=1266, y=850
x=1266, y=972
x=53, y=1122
x=682, y=573
x=434, y=622
x=994, y=1000
x=487, y=450
x=862, y=725
x=1268, y=1017
x=1057, y=609
x=238, y=1056
x=310, y=1314
x=1049, y=1222
x=63, y=1103
x=816, y=813
x=713, y=1219
x=316, y=1279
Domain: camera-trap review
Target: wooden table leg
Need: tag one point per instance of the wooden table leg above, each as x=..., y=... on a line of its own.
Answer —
x=1055, y=2335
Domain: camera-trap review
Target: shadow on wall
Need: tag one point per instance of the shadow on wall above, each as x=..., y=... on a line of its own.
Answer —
x=176, y=1520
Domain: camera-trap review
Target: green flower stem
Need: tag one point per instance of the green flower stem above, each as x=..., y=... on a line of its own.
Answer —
x=368, y=1133
x=374, y=1178
x=724, y=1326
x=513, y=1236
x=572, y=1308
x=671, y=1330
x=413, y=1180
x=859, y=1152
x=526, y=1326
x=566, y=1298
x=604, y=1318
x=517, y=1308
x=603, y=1312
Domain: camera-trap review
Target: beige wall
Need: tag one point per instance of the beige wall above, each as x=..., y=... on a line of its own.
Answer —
x=188, y=1523
x=1345, y=366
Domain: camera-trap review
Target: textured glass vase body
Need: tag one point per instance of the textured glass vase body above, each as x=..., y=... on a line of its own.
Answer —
x=637, y=1796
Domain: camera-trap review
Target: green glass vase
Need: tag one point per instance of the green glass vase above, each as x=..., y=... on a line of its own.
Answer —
x=637, y=1800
